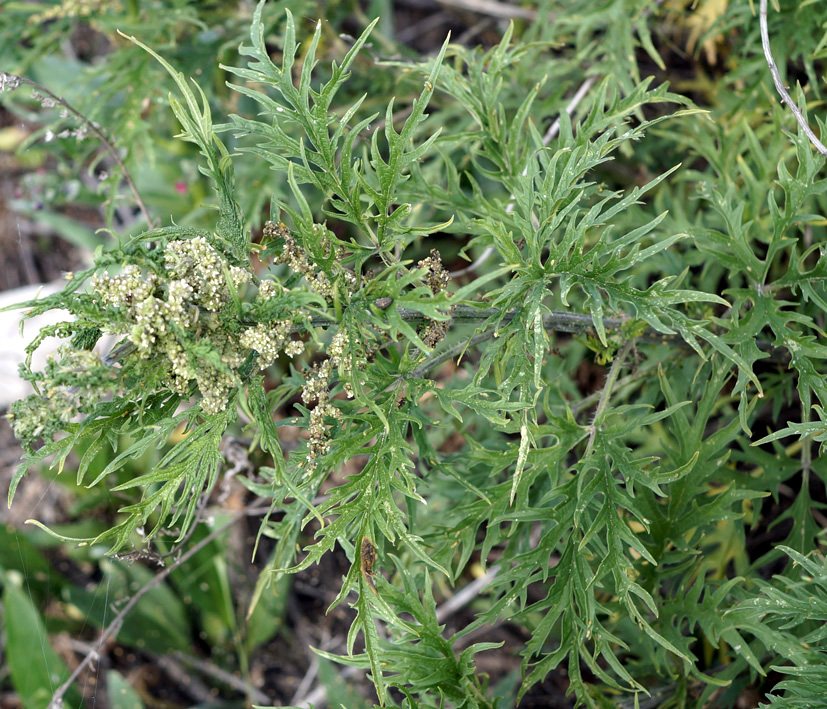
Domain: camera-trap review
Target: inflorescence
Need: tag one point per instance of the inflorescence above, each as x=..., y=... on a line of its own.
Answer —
x=74, y=380
x=180, y=326
x=316, y=388
x=340, y=357
x=162, y=316
x=437, y=279
x=297, y=260
x=180, y=321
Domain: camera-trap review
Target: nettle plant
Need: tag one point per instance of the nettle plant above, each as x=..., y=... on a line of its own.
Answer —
x=610, y=521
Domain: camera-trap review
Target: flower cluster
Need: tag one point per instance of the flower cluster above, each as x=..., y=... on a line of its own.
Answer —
x=8, y=82
x=316, y=389
x=73, y=380
x=269, y=339
x=177, y=325
x=78, y=134
x=296, y=259
x=436, y=279
x=159, y=312
x=162, y=314
x=202, y=267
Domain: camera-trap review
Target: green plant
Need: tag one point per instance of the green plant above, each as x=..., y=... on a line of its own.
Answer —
x=114, y=84
x=613, y=521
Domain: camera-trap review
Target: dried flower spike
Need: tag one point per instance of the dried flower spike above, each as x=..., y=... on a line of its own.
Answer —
x=367, y=555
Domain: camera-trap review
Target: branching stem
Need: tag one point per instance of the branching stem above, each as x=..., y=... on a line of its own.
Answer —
x=91, y=125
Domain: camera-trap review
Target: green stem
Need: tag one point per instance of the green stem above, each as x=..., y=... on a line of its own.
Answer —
x=606, y=394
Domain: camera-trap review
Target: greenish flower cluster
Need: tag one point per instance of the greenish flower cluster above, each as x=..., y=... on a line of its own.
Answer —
x=436, y=278
x=297, y=260
x=316, y=388
x=73, y=381
x=324, y=283
x=270, y=339
x=177, y=320
x=162, y=315
x=201, y=267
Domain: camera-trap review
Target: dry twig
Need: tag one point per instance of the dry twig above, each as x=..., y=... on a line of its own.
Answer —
x=113, y=627
x=776, y=77
x=11, y=81
x=500, y=10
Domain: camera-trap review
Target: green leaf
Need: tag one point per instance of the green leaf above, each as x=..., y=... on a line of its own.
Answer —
x=159, y=622
x=35, y=668
x=121, y=695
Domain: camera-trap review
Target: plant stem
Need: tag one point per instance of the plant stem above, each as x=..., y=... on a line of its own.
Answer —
x=459, y=348
x=779, y=85
x=100, y=135
x=632, y=378
x=606, y=394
